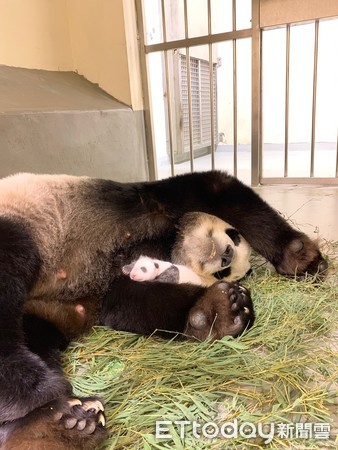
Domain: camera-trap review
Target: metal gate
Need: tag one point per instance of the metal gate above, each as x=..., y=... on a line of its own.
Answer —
x=247, y=86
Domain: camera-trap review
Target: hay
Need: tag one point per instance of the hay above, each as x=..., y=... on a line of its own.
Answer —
x=283, y=370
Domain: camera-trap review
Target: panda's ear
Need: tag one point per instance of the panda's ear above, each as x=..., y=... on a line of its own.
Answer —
x=234, y=236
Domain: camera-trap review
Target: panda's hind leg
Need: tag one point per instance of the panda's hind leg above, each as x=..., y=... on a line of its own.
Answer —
x=26, y=382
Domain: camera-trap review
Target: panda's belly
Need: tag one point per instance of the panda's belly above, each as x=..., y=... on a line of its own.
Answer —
x=83, y=275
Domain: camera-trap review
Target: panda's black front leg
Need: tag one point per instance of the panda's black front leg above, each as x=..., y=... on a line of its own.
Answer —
x=289, y=250
x=26, y=381
x=196, y=311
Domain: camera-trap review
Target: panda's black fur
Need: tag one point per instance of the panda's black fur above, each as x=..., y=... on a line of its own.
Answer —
x=87, y=229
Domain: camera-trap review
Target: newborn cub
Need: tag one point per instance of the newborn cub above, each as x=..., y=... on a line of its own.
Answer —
x=145, y=269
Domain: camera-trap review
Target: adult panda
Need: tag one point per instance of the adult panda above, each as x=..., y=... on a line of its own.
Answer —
x=65, y=237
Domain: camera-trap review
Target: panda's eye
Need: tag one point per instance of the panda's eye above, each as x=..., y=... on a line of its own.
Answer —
x=156, y=265
x=144, y=269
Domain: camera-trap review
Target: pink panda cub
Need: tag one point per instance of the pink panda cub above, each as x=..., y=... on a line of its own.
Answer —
x=146, y=269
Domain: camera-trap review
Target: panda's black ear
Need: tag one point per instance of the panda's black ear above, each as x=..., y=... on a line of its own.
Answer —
x=234, y=235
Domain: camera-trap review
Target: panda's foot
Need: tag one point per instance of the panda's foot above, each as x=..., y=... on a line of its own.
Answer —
x=302, y=257
x=64, y=424
x=225, y=309
x=84, y=416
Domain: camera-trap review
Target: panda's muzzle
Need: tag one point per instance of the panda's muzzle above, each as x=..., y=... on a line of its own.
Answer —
x=227, y=255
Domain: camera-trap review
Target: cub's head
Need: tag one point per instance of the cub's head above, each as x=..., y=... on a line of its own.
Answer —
x=143, y=269
x=211, y=247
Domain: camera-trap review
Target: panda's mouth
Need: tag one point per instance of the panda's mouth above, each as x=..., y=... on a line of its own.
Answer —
x=213, y=252
x=222, y=273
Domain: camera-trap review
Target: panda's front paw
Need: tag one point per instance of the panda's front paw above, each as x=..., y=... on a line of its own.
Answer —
x=225, y=309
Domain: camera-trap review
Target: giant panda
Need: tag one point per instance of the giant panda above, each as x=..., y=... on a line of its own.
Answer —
x=63, y=238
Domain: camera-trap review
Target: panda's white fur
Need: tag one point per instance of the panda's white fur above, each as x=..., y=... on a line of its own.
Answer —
x=146, y=268
x=201, y=243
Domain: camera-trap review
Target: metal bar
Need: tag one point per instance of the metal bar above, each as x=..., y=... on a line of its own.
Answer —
x=191, y=143
x=287, y=92
x=186, y=28
x=167, y=85
x=306, y=180
x=256, y=99
x=187, y=53
x=170, y=127
x=211, y=80
x=234, y=85
x=151, y=151
x=164, y=25
x=199, y=40
x=314, y=100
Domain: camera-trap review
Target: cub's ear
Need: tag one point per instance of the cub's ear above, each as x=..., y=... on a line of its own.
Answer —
x=128, y=268
x=234, y=236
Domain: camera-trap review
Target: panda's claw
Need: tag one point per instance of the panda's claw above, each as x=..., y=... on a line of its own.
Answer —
x=94, y=406
x=102, y=420
x=74, y=402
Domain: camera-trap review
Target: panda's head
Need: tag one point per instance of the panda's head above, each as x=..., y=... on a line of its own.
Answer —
x=211, y=247
x=143, y=269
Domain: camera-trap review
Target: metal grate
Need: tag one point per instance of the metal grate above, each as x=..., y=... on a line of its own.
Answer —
x=200, y=102
x=198, y=82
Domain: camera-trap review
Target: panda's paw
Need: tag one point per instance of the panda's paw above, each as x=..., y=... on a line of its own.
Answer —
x=225, y=309
x=63, y=424
x=302, y=257
x=79, y=417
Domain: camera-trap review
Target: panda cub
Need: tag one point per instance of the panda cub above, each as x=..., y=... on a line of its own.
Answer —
x=211, y=247
x=146, y=268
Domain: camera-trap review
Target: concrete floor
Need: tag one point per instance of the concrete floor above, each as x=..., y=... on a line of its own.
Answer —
x=313, y=209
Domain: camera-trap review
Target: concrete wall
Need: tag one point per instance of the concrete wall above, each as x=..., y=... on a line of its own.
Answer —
x=103, y=144
x=58, y=122
x=89, y=37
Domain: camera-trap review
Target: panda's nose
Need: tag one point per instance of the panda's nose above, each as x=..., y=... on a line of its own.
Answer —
x=227, y=256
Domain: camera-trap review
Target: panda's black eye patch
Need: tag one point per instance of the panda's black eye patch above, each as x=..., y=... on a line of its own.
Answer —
x=144, y=269
x=234, y=236
x=156, y=265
